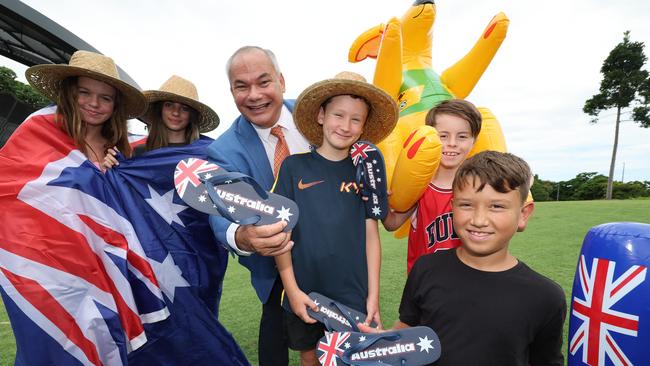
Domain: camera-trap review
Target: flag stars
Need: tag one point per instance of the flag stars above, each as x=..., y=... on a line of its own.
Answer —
x=425, y=344
x=347, y=345
x=165, y=207
x=202, y=198
x=284, y=214
x=376, y=211
x=169, y=276
x=231, y=209
x=362, y=338
x=207, y=176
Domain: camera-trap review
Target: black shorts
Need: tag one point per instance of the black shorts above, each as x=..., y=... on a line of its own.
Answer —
x=302, y=336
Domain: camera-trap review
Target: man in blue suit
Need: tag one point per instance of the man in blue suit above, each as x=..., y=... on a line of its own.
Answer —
x=249, y=147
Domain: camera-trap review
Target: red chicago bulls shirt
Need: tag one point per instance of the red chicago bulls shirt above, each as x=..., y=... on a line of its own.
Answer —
x=432, y=229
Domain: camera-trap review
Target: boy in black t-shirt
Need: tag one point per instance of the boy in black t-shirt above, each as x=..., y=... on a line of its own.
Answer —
x=336, y=248
x=487, y=307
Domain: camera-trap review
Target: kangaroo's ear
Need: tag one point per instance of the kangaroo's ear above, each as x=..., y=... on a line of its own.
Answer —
x=367, y=44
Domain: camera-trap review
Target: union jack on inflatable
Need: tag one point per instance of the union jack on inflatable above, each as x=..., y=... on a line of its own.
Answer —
x=610, y=305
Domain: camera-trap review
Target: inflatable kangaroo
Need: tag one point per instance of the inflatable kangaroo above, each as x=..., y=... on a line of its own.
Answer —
x=403, y=52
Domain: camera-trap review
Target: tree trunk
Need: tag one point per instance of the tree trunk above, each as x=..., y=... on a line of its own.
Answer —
x=610, y=180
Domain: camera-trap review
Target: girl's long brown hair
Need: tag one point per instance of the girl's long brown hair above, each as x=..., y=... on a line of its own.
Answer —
x=114, y=130
x=158, y=132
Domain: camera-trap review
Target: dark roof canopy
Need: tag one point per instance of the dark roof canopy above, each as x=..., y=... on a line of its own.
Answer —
x=29, y=37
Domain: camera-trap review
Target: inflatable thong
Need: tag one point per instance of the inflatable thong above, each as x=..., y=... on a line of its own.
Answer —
x=609, y=322
x=403, y=52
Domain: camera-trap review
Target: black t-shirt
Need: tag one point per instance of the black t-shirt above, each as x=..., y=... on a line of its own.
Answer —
x=329, y=253
x=513, y=317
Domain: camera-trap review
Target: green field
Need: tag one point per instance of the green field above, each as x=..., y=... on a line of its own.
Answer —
x=550, y=245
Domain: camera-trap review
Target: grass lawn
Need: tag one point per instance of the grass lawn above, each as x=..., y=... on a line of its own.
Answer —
x=550, y=245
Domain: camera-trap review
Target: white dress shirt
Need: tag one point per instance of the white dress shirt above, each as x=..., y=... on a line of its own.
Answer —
x=295, y=141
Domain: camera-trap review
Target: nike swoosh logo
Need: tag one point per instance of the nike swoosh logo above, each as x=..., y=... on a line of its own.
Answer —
x=302, y=185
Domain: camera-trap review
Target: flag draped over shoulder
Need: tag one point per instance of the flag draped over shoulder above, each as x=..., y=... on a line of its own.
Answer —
x=105, y=269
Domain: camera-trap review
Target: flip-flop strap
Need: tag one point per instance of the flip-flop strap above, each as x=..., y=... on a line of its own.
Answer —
x=347, y=316
x=361, y=179
x=221, y=206
x=372, y=339
x=233, y=177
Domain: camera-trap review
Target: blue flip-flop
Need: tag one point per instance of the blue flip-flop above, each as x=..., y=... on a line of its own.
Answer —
x=371, y=176
x=404, y=347
x=334, y=315
x=237, y=197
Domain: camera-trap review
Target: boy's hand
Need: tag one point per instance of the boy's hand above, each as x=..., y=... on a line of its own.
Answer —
x=368, y=329
x=299, y=302
x=372, y=307
x=110, y=158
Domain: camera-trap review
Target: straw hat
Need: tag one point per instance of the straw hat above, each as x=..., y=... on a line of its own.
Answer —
x=177, y=89
x=47, y=78
x=382, y=115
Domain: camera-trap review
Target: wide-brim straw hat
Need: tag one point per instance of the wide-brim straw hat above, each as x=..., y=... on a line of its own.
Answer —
x=177, y=89
x=47, y=79
x=382, y=115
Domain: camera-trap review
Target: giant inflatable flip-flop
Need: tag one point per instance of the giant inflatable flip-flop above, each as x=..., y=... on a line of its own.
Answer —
x=211, y=189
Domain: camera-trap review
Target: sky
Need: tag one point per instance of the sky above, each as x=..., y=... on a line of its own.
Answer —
x=547, y=67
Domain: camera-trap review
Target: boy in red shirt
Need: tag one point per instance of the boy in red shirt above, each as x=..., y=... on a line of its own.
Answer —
x=458, y=123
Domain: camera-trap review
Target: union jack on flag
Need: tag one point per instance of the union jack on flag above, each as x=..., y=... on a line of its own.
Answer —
x=602, y=328
x=104, y=269
x=331, y=348
x=359, y=151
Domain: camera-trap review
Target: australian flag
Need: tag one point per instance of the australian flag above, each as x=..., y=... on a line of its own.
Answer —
x=106, y=269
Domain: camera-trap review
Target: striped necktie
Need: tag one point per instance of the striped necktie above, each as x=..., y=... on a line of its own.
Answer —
x=281, y=149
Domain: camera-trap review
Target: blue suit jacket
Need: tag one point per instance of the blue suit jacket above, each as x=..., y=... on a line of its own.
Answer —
x=240, y=149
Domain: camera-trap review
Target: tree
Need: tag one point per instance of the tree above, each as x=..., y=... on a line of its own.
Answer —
x=631, y=189
x=624, y=85
x=7, y=80
x=23, y=92
x=592, y=189
x=541, y=189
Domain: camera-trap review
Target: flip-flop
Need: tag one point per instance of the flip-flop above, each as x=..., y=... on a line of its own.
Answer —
x=404, y=347
x=334, y=315
x=371, y=176
x=237, y=197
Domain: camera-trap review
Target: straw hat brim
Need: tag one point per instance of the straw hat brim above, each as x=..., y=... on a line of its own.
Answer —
x=47, y=80
x=208, y=118
x=381, y=118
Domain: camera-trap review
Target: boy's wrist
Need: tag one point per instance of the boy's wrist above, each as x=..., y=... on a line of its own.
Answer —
x=292, y=290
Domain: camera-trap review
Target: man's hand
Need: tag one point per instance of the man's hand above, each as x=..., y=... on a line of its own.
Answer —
x=266, y=240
